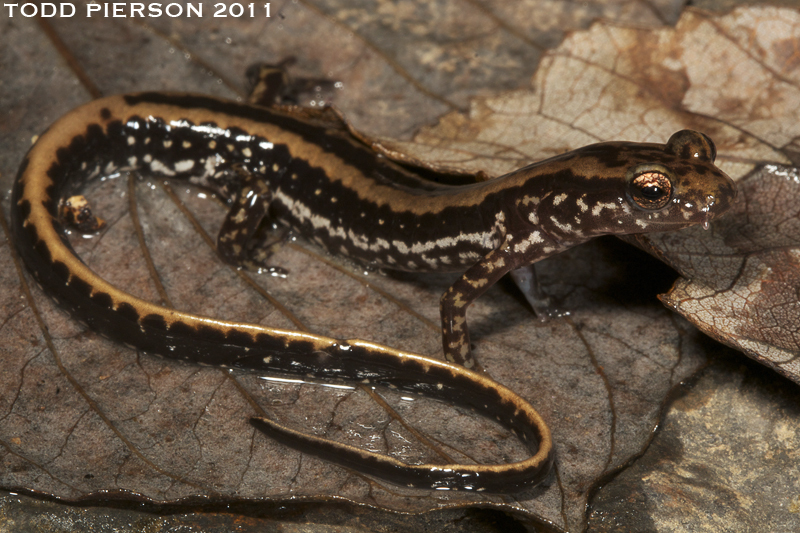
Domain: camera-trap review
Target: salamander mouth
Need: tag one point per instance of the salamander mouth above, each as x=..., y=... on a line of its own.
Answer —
x=716, y=205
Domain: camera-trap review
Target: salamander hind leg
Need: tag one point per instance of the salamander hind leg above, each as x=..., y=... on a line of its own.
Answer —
x=76, y=213
x=248, y=212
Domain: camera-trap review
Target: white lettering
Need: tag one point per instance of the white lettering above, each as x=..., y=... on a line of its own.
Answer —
x=46, y=5
x=33, y=14
x=178, y=14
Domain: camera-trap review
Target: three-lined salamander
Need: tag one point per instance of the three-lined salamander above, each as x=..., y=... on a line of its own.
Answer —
x=339, y=193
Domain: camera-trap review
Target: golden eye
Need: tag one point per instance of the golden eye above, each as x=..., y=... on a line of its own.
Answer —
x=651, y=190
x=688, y=144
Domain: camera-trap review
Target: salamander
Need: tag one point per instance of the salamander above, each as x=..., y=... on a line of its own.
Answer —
x=326, y=185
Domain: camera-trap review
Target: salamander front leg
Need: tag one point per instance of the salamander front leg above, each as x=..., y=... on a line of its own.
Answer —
x=528, y=283
x=271, y=85
x=454, y=302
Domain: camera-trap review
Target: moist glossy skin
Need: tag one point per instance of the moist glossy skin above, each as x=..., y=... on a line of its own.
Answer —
x=335, y=191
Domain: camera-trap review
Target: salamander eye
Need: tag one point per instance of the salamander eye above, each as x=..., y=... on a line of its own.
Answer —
x=650, y=189
x=688, y=144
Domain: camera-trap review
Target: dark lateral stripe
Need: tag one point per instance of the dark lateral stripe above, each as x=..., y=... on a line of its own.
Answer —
x=365, y=160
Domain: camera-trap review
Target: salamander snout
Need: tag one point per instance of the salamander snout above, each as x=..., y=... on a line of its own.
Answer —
x=717, y=199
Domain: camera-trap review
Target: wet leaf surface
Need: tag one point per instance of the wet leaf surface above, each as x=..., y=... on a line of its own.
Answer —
x=90, y=418
x=731, y=439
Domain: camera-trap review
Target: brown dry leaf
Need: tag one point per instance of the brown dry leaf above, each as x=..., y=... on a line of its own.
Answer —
x=93, y=418
x=612, y=82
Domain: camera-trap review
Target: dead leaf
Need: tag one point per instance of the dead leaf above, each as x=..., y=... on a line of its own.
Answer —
x=618, y=83
x=599, y=378
x=731, y=439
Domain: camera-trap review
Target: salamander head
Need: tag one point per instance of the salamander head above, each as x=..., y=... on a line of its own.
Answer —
x=685, y=191
x=637, y=188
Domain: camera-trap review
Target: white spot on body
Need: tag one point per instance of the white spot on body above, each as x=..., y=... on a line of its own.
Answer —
x=599, y=206
x=432, y=262
x=240, y=216
x=476, y=283
x=527, y=200
x=468, y=256
x=533, y=238
x=211, y=165
x=562, y=227
x=184, y=166
x=161, y=168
